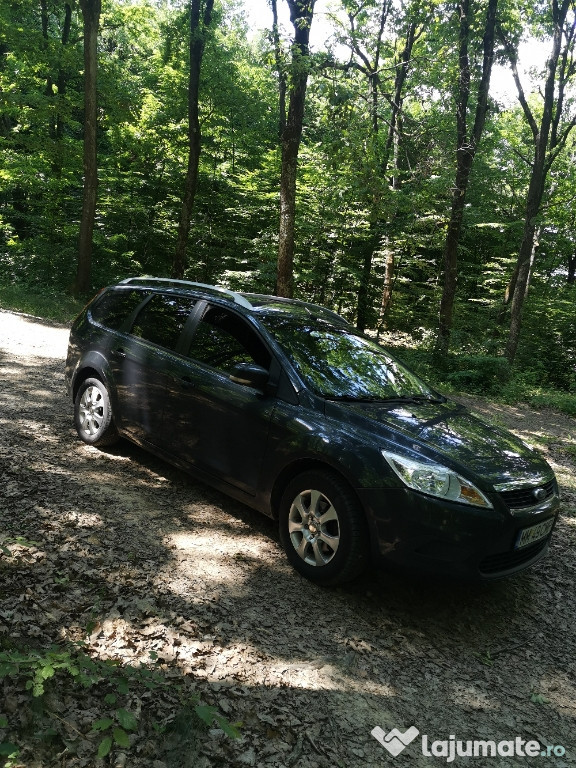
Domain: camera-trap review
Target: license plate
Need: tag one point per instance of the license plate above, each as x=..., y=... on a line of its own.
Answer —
x=528, y=536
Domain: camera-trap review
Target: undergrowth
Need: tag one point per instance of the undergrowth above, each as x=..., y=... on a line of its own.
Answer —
x=490, y=376
x=45, y=303
x=43, y=679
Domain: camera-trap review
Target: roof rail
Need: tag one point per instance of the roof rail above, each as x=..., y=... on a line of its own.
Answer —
x=172, y=283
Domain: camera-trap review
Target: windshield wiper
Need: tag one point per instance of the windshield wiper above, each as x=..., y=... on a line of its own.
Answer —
x=391, y=399
x=355, y=399
x=421, y=398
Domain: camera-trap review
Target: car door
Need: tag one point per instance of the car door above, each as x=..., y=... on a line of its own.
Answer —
x=213, y=424
x=144, y=360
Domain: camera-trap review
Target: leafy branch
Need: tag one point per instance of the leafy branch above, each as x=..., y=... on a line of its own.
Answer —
x=36, y=669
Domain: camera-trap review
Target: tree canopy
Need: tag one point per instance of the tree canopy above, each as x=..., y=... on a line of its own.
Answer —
x=384, y=117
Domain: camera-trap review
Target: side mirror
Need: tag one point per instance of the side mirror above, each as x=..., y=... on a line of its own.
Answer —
x=250, y=375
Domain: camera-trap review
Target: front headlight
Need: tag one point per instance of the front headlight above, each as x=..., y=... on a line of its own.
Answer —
x=436, y=480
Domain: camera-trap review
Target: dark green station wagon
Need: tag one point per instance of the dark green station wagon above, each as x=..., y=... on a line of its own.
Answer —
x=285, y=406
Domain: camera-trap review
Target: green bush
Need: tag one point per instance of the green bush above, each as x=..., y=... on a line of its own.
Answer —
x=478, y=374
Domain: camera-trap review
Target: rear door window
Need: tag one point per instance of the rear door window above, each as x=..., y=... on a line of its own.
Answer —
x=162, y=320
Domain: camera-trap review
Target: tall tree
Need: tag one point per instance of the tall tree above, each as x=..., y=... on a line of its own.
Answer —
x=301, y=13
x=550, y=128
x=416, y=18
x=200, y=21
x=91, y=20
x=467, y=146
x=61, y=79
x=280, y=68
x=381, y=35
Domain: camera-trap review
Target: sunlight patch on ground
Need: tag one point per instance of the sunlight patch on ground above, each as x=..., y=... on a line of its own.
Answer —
x=21, y=336
x=90, y=450
x=471, y=697
x=558, y=686
x=214, y=557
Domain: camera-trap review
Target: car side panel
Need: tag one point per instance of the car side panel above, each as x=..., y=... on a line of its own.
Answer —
x=215, y=425
x=138, y=369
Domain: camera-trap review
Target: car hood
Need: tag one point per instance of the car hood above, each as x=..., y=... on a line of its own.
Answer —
x=448, y=429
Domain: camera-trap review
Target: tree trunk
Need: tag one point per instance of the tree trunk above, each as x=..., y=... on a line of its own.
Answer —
x=363, y=304
x=198, y=31
x=62, y=79
x=523, y=267
x=571, y=269
x=451, y=244
x=55, y=127
x=91, y=20
x=548, y=141
x=280, y=70
x=371, y=69
x=392, y=139
x=301, y=13
x=391, y=159
x=467, y=146
x=388, y=283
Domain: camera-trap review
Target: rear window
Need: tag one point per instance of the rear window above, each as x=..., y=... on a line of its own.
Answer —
x=115, y=307
x=162, y=319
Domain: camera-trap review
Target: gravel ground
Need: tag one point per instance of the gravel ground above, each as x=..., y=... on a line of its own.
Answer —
x=141, y=562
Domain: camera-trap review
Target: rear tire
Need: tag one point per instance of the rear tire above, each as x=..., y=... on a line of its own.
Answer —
x=323, y=529
x=93, y=416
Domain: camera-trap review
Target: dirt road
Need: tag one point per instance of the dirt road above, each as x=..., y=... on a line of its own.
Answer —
x=121, y=549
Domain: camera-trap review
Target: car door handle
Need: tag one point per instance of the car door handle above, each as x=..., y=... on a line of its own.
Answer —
x=118, y=353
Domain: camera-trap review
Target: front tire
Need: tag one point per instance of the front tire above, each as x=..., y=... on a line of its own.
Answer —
x=93, y=417
x=323, y=529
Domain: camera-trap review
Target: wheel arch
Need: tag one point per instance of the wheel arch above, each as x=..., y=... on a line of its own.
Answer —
x=82, y=375
x=92, y=366
x=297, y=468
x=353, y=552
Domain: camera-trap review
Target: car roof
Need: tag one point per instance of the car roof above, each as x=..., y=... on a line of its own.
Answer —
x=279, y=306
x=261, y=304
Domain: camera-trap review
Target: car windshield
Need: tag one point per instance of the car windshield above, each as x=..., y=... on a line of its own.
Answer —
x=340, y=364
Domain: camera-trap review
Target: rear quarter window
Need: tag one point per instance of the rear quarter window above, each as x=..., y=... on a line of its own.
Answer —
x=115, y=307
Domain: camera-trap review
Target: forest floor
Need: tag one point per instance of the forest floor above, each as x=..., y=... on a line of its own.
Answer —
x=145, y=566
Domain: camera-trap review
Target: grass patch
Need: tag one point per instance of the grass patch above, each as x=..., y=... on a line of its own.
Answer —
x=565, y=402
x=48, y=304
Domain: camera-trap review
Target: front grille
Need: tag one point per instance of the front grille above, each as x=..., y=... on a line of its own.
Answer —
x=505, y=561
x=524, y=497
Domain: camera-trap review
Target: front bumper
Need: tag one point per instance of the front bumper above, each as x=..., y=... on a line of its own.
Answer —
x=430, y=535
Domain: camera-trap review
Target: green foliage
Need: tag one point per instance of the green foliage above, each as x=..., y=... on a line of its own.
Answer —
x=49, y=303
x=210, y=715
x=352, y=210
x=121, y=722
x=478, y=374
x=38, y=669
x=487, y=375
x=518, y=389
x=548, y=346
